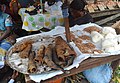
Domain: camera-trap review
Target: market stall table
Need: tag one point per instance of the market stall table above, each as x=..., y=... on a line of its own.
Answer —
x=76, y=67
x=38, y=21
x=103, y=11
x=111, y=15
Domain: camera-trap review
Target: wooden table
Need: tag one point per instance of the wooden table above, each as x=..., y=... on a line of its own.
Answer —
x=87, y=64
x=105, y=12
x=105, y=16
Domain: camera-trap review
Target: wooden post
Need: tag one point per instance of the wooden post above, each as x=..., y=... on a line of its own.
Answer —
x=67, y=29
x=66, y=21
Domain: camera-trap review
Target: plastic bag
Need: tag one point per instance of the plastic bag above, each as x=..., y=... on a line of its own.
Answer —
x=100, y=74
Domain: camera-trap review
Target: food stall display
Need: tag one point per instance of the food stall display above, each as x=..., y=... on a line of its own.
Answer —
x=48, y=54
x=101, y=5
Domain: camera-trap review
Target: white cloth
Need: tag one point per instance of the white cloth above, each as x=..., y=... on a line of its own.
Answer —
x=38, y=21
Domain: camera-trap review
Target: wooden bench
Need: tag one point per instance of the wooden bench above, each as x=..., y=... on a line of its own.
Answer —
x=105, y=16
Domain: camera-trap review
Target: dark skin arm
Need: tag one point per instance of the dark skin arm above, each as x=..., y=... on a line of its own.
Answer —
x=15, y=74
x=6, y=33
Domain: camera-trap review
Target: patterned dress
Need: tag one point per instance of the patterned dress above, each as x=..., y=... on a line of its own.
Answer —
x=5, y=21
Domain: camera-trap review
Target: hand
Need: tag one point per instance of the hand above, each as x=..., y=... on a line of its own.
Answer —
x=15, y=74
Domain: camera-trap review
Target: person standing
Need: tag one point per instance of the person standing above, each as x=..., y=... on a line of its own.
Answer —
x=79, y=16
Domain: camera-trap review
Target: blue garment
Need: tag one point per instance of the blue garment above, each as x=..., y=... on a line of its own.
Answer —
x=100, y=74
x=5, y=21
x=5, y=45
x=65, y=13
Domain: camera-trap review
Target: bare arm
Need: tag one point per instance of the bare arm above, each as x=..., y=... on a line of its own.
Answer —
x=6, y=33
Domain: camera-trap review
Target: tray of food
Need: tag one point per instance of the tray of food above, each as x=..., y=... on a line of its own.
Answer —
x=97, y=41
x=40, y=54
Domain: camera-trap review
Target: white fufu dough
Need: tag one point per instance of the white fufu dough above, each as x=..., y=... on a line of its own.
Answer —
x=109, y=35
x=118, y=38
x=117, y=47
x=107, y=30
x=96, y=37
x=109, y=49
x=114, y=48
x=109, y=42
